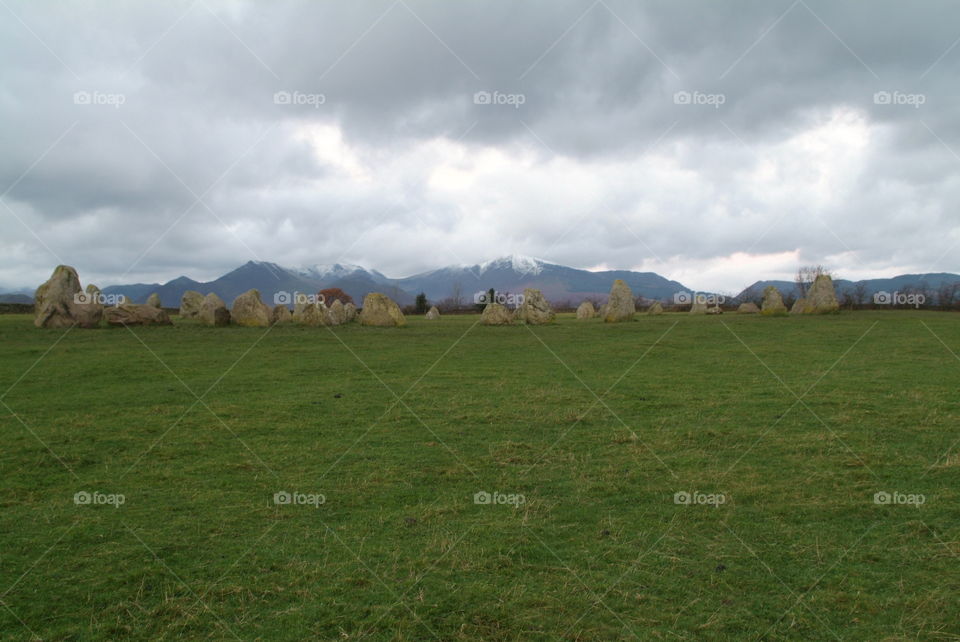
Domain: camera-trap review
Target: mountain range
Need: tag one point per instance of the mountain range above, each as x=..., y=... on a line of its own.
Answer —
x=507, y=274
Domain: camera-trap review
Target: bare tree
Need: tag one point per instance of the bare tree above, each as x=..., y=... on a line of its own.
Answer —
x=457, y=296
x=806, y=275
x=860, y=293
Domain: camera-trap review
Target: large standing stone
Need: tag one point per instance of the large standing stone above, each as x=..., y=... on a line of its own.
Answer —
x=620, y=304
x=586, y=311
x=280, y=314
x=496, y=314
x=248, y=310
x=60, y=303
x=137, y=314
x=772, y=303
x=213, y=311
x=432, y=314
x=798, y=306
x=381, y=310
x=821, y=297
x=309, y=313
x=336, y=314
x=748, y=308
x=351, y=311
x=190, y=304
x=535, y=310
x=699, y=306
x=656, y=308
x=154, y=300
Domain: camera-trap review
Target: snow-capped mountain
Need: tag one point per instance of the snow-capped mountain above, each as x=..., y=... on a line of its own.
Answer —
x=326, y=272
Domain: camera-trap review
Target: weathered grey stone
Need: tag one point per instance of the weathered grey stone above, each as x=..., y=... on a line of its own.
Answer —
x=190, y=304
x=798, y=306
x=432, y=314
x=534, y=310
x=213, y=311
x=336, y=314
x=248, y=310
x=60, y=303
x=154, y=300
x=772, y=303
x=620, y=304
x=748, y=308
x=381, y=310
x=280, y=314
x=655, y=309
x=586, y=311
x=137, y=314
x=821, y=297
x=350, y=310
x=715, y=309
x=698, y=307
x=309, y=313
x=496, y=314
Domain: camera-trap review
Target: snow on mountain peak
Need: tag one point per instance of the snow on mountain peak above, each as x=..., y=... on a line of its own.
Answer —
x=517, y=262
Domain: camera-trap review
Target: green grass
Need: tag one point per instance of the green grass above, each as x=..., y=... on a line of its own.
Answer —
x=400, y=551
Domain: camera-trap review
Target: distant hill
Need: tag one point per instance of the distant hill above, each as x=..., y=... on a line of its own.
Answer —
x=16, y=298
x=930, y=281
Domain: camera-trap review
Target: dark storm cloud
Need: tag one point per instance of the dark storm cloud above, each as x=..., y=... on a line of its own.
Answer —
x=146, y=140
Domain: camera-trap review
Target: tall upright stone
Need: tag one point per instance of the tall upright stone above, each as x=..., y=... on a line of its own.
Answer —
x=60, y=303
x=534, y=310
x=248, y=310
x=620, y=304
x=190, y=304
x=213, y=311
x=586, y=311
x=432, y=314
x=154, y=300
x=772, y=303
x=821, y=297
x=496, y=314
x=655, y=309
x=381, y=310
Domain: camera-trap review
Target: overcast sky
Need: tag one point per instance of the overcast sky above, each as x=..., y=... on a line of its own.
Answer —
x=715, y=143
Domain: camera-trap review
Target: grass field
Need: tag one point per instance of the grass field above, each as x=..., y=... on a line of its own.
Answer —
x=780, y=430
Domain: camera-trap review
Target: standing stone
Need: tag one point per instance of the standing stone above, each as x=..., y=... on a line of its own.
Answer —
x=798, y=306
x=496, y=314
x=620, y=304
x=655, y=309
x=60, y=303
x=213, y=311
x=190, y=304
x=336, y=314
x=699, y=306
x=772, y=303
x=350, y=310
x=381, y=310
x=748, y=308
x=821, y=297
x=716, y=309
x=280, y=314
x=586, y=311
x=432, y=314
x=535, y=310
x=248, y=310
x=154, y=300
x=602, y=311
x=308, y=313
x=127, y=314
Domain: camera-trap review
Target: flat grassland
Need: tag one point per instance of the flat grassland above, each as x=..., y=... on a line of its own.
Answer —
x=672, y=478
